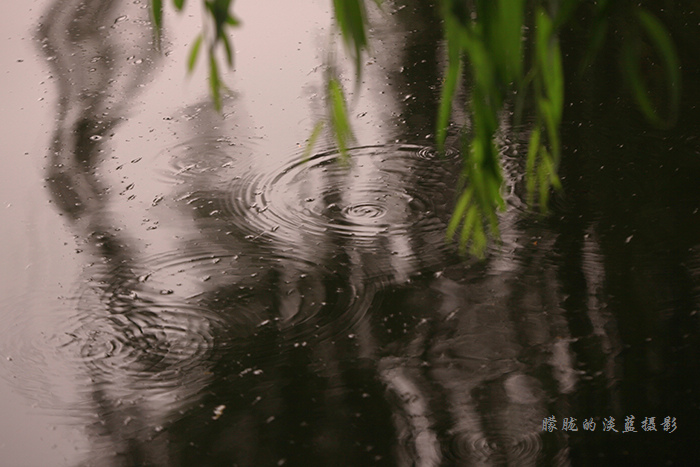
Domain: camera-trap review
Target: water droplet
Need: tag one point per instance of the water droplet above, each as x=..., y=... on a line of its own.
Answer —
x=218, y=411
x=96, y=137
x=144, y=277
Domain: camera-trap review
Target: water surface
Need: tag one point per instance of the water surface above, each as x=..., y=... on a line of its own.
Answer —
x=181, y=288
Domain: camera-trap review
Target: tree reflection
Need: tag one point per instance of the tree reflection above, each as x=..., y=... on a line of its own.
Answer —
x=311, y=314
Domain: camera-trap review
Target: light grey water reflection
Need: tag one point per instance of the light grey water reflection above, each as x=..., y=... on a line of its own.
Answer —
x=229, y=304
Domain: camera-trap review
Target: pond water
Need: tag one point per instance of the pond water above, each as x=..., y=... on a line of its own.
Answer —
x=180, y=288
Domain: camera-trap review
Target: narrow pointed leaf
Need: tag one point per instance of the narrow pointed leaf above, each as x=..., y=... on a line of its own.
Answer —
x=194, y=53
x=662, y=42
x=228, y=49
x=157, y=17
x=454, y=69
x=339, y=117
x=214, y=82
x=315, y=133
x=458, y=213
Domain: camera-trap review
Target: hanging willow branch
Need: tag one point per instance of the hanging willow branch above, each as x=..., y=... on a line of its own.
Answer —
x=489, y=39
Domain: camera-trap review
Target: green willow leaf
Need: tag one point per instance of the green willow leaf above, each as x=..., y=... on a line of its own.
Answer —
x=157, y=12
x=479, y=240
x=532, y=151
x=506, y=38
x=315, y=134
x=351, y=18
x=194, y=53
x=454, y=70
x=458, y=213
x=339, y=117
x=599, y=34
x=157, y=17
x=543, y=175
x=179, y=4
x=228, y=49
x=214, y=81
x=471, y=220
x=661, y=40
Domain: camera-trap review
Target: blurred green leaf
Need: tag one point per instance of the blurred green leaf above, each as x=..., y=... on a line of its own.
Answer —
x=214, y=81
x=564, y=10
x=194, y=53
x=157, y=13
x=339, y=117
x=598, y=36
x=315, y=134
x=471, y=220
x=459, y=212
x=352, y=20
x=179, y=4
x=454, y=70
x=228, y=50
x=157, y=17
x=661, y=41
x=505, y=38
x=532, y=151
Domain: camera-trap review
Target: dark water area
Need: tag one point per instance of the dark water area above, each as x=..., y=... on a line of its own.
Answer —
x=211, y=299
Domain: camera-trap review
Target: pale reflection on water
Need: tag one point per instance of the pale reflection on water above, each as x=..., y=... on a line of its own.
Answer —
x=229, y=304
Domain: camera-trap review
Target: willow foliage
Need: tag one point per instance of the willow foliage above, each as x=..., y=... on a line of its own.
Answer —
x=510, y=51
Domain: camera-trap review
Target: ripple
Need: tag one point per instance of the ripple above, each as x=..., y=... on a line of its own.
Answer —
x=382, y=190
x=145, y=348
x=502, y=448
x=181, y=308
x=391, y=202
x=202, y=156
x=363, y=211
x=30, y=360
x=429, y=153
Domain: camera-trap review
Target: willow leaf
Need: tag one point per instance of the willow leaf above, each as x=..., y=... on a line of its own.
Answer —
x=228, y=49
x=339, y=117
x=194, y=53
x=157, y=17
x=661, y=40
x=315, y=133
x=532, y=151
x=214, y=81
x=458, y=213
